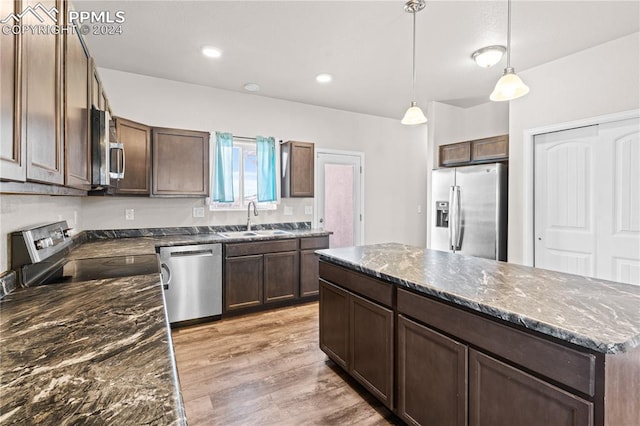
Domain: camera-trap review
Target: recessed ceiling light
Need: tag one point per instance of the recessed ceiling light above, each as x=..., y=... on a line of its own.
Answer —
x=251, y=87
x=488, y=56
x=211, y=52
x=324, y=78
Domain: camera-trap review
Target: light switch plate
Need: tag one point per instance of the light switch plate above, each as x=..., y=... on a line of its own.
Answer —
x=129, y=214
x=308, y=209
x=288, y=211
x=198, y=212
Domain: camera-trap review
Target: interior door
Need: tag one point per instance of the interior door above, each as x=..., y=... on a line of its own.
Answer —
x=563, y=196
x=587, y=201
x=339, y=196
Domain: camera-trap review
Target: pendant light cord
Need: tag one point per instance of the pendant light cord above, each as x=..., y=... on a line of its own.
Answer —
x=508, y=33
x=414, y=56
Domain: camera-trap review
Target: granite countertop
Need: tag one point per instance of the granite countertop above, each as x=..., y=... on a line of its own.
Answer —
x=600, y=315
x=147, y=245
x=91, y=352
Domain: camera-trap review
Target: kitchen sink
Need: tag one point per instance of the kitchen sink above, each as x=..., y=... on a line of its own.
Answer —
x=249, y=234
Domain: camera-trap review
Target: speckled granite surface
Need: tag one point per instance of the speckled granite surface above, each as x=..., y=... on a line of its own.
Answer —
x=94, y=352
x=595, y=314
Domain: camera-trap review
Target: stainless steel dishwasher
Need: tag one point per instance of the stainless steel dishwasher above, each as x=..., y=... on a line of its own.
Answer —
x=192, y=281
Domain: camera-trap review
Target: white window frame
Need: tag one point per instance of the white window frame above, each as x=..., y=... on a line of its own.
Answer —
x=269, y=205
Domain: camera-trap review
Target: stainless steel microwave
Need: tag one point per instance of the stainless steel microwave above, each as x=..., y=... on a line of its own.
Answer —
x=108, y=159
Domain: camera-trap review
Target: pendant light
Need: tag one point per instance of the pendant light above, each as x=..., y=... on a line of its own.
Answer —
x=414, y=114
x=510, y=86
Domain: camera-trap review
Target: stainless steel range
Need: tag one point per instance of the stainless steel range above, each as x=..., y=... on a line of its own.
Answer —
x=40, y=256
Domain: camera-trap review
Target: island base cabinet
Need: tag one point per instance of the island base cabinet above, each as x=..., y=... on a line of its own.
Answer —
x=371, y=347
x=432, y=376
x=334, y=323
x=358, y=336
x=501, y=395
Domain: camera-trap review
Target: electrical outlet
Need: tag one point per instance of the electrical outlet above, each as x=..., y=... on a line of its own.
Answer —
x=308, y=209
x=288, y=211
x=75, y=217
x=419, y=209
x=129, y=214
x=198, y=212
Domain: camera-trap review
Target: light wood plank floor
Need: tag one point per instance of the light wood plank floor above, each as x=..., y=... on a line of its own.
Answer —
x=267, y=368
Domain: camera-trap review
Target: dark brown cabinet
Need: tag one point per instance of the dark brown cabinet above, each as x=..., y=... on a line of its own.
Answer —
x=485, y=150
x=136, y=139
x=42, y=100
x=297, y=162
x=428, y=357
x=309, y=264
x=243, y=282
x=258, y=273
x=180, y=163
x=356, y=332
x=12, y=146
x=77, y=90
x=500, y=394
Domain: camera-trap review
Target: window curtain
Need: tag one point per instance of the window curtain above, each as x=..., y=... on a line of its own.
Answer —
x=266, y=151
x=223, y=179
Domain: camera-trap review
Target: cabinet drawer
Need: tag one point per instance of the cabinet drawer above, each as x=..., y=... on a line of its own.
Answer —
x=372, y=288
x=557, y=362
x=261, y=247
x=310, y=243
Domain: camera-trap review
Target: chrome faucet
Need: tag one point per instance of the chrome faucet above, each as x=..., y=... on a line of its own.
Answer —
x=255, y=213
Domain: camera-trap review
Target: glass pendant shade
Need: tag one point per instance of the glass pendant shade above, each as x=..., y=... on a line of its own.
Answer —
x=509, y=87
x=414, y=115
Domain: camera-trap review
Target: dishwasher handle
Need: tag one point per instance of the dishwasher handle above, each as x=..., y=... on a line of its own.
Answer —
x=165, y=284
x=192, y=253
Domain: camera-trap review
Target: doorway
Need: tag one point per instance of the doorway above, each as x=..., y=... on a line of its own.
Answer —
x=587, y=201
x=339, y=196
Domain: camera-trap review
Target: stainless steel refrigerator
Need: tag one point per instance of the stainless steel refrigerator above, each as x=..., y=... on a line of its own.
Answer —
x=469, y=213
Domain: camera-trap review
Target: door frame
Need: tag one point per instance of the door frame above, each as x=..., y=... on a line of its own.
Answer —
x=360, y=202
x=528, y=242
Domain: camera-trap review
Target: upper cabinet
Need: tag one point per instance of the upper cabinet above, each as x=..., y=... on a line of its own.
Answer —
x=180, y=163
x=77, y=91
x=476, y=151
x=297, y=161
x=12, y=149
x=41, y=56
x=136, y=139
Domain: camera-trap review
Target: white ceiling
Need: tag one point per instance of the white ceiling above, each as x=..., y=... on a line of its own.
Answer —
x=365, y=45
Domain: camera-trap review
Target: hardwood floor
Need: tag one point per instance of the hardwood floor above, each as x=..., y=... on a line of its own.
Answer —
x=267, y=368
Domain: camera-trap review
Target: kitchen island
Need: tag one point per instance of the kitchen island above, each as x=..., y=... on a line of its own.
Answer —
x=449, y=339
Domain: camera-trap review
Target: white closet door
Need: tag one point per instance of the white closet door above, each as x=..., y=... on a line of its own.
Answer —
x=618, y=203
x=587, y=201
x=565, y=238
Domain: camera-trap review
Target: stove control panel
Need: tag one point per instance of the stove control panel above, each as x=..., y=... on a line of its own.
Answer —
x=38, y=243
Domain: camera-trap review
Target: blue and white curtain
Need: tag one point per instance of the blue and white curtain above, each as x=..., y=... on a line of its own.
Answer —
x=266, y=152
x=223, y=180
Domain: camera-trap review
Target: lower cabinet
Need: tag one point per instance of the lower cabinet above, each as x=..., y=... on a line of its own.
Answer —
x=357, y=334
x=500, y=394
x=243, y=282
x=309, y=264
x=280, y=276
x=432, y=376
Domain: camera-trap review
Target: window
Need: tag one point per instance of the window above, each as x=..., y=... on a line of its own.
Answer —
x=245, y=180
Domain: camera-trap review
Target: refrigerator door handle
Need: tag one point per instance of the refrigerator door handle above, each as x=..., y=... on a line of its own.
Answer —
x=458, y=223
x=452, y=217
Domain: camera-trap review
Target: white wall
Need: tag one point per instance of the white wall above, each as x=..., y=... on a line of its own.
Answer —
x=450, y=124
x=21, y=211
x=395, y=155
x=597, y=81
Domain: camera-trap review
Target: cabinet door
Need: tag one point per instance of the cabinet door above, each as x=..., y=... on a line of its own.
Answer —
x=334, y=323
x=243, y=282
x=371, y=347
x=490, y=149
x=136, y=139
x=308, y=273
x=501, y=395
x=180, y=163
x=42, y=99
x=455, y=153
x=432, y=376
x=12, y=147
x=77, y=83
x=280, y=276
